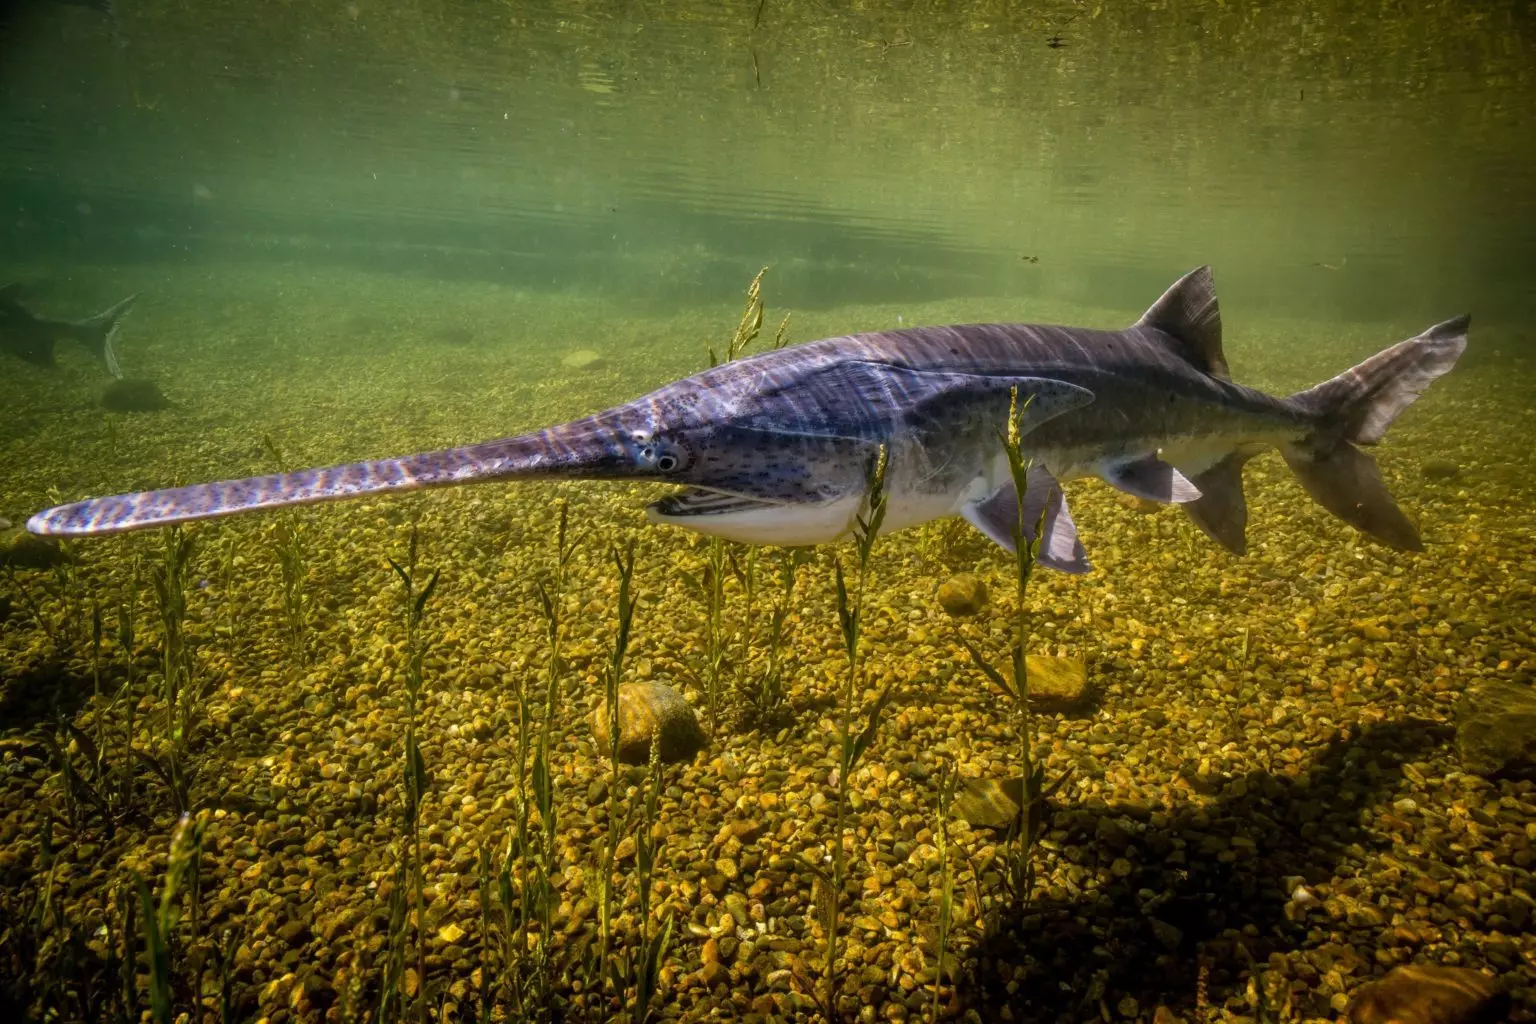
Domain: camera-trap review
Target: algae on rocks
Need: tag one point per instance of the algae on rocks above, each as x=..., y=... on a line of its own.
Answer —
x=1496, y=729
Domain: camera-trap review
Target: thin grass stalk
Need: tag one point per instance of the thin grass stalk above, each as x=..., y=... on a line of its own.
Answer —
x=227, y=589
x=44, y=622
x=946, y=884
x=169, y=580
x=1025, y=552
x=125, y=640
x=159, y=919
x=293, y=569
x=1035, y=791
x=768, y=700
x=851, y=747
x=624, y=563
x=655, y=937
x=416, y=778
x=125, y=900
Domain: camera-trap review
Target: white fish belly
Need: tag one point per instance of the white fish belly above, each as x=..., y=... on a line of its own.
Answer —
x=779, y=525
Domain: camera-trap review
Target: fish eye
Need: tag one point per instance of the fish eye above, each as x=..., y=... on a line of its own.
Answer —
x=661, y=455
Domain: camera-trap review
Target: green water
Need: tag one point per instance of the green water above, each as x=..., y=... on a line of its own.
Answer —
x=366, y=229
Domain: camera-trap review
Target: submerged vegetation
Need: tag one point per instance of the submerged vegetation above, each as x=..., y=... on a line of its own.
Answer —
x=381, y=800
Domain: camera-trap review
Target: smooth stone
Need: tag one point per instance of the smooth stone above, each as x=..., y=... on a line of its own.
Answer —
x=133, y=396
x=1439, y=469
x=1426, y=994
x=22, y=550
x=647, y=710
x=964, y=594
x=988, y=803
x=1496, y=729
x=582, y=359
x=1055, y=684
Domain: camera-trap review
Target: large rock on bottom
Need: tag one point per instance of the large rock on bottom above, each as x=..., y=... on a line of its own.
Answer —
x=650, y=710
x=1426, y=994
x=962, y=595
x=1496, y=729
x=1055, y=683
x=22, y=550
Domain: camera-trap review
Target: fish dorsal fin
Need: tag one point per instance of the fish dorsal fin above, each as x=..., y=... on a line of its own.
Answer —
x=1188, y=312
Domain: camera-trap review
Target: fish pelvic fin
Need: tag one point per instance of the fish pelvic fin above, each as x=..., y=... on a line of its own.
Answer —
x=1189, y=314
x=1044, y=506
x=1356, y=408
x=97, y=333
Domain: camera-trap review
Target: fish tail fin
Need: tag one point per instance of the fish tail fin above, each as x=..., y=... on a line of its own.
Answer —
x=97, y=333
x=1356, y=408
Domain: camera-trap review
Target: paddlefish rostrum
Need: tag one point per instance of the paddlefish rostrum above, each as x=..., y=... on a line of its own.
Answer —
x=777, y=448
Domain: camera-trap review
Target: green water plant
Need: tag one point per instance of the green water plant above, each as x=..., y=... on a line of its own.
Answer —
x=766, y=697
x=518, y=895
x=858, y=723
x=416, y=779
x=160, y=918
x=946, y=886
x=641, y=962
x=390, y=1006
x=288, y=550
x=1024, y=832
x=613, y=676
x=709, y=585
x=170, y=580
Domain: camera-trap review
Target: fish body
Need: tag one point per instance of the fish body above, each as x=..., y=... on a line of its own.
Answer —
x=32, y=338
x=778, y=448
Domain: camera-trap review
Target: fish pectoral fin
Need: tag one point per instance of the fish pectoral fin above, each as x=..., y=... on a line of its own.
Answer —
x=1147, y=476
x=696, y=501
x=997, y=516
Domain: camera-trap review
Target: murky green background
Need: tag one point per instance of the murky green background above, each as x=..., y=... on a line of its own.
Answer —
x=1361, y=160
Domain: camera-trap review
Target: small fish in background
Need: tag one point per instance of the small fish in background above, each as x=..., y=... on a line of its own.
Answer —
x=31, y=338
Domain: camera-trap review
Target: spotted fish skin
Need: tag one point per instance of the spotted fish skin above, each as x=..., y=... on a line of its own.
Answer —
x=777, y=447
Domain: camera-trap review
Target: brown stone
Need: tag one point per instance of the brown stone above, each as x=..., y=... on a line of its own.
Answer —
x=647, y=710
x=23, y=550
x=1426, y=994
x=964, y=594
x=1496, y=729
x=1055, y=684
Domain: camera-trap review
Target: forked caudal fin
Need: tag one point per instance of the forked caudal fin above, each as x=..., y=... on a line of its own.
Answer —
x=97, y=333
x=1356, y=408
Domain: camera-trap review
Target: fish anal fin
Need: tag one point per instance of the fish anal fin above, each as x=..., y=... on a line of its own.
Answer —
x=1188, y=313
x=1222, y=510
x=1147, y=476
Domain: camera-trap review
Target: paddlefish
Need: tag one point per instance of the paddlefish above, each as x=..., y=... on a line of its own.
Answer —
x=32, y=338
x=777, y=448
